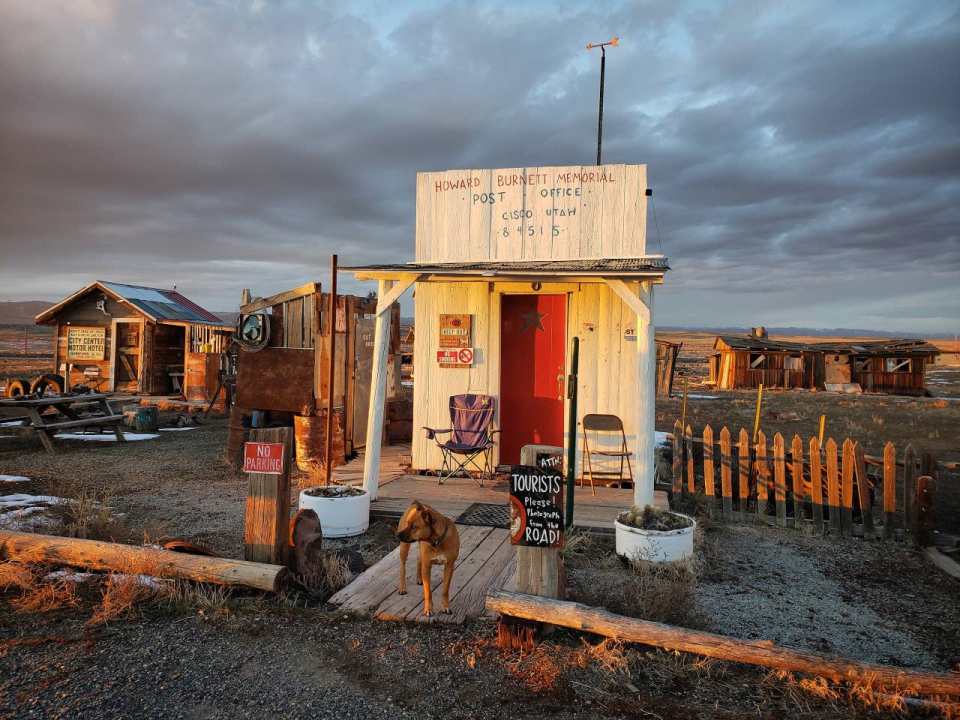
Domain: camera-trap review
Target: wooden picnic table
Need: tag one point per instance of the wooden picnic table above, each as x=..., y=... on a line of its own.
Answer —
x=47, y=425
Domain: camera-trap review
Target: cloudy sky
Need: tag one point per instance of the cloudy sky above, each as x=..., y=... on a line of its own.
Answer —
x=805, y=157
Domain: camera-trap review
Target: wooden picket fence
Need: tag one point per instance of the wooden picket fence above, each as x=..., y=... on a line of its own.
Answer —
x=827, y=490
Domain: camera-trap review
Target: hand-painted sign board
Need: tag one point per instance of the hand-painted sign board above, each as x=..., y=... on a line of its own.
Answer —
x=86, y=343
x=455, y=331
x=264, y=458
x=532, y=213
x=455, y=357
x=536, y=506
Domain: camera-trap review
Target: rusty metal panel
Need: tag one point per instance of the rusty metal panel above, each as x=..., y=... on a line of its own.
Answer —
x=279, y=379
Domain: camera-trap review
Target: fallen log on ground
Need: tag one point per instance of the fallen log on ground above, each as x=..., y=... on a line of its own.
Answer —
x=765, y=653
x=97, y=555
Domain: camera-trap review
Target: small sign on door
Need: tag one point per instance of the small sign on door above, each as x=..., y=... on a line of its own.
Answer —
x=536, y=506
x=265, y=458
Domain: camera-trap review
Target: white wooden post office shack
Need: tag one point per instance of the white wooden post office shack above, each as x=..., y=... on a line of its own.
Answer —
x=511, y=264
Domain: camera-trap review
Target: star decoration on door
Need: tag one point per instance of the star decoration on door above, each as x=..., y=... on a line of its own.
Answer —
x=532, y=321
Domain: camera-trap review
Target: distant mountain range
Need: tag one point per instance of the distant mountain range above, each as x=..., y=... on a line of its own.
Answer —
x=22, y=312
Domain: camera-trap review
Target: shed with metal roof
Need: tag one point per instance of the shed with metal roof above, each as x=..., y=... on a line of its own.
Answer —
x=130, y=338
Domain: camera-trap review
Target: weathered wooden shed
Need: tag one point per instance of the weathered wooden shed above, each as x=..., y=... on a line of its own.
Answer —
x=291, y=374
x=892, y=366
x=130, y=338
x=510, y=266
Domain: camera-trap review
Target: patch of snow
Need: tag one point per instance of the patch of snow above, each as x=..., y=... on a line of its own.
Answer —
x=13, y=479
x=105, y=437
x=178, y=429
x=69, y=576
x=24, y=500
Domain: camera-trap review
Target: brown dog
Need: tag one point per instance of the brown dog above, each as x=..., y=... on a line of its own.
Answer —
x=439, y=545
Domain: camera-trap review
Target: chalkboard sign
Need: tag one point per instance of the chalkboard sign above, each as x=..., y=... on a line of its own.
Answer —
x=536, y=506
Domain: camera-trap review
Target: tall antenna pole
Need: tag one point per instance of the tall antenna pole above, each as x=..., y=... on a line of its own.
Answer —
x=603, y=66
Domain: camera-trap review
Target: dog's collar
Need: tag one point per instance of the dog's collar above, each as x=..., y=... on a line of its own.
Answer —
x=442, y=536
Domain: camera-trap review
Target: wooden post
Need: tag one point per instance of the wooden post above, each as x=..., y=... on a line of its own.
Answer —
x=331, y=372
x=691, y=470
x=266, y=522
x=677, y=459
x=726, y=484
x=923, y=527
x=816, y=486
x=743, y=471
x=763, y=477
x=646, y=400
x=389, y=292
x=539, y=570
x=889, y=488
x=846, y=487
x=833, y=486
x=796, y=475
x=863, y=490
x=708, y=486
x=756, y=417
x=909, y=486
x=378, y=394
x=646, y=380
x=780, y=479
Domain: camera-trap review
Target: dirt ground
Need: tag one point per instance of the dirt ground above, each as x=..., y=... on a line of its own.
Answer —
x=251, y=656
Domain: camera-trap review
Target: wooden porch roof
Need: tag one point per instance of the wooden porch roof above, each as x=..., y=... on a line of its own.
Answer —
x=651, y=267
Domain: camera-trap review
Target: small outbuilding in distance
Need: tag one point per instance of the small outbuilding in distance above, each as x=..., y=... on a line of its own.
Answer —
x=510, y=265
x=895, y=366
x=130, y=338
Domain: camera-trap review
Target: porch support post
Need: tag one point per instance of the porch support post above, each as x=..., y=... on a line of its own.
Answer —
x=646, y=378
x=646, y=400
x=387, y=293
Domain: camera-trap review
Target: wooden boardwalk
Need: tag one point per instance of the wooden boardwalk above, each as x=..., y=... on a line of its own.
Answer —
x=594, y=513
x=486, y=562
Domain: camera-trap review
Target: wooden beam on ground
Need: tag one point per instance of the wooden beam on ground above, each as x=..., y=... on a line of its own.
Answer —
x=97, y=555
x=763, y=653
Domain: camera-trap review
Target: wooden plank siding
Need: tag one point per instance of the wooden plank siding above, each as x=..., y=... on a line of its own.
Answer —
x=606, y=328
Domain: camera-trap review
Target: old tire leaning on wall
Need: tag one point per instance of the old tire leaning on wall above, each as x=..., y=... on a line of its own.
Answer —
x=17, y=387
x=47, y=384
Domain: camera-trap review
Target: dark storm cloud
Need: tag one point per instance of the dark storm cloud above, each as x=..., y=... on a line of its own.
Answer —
x=804, y=158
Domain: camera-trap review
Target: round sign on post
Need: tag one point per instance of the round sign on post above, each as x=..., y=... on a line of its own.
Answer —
x=465, y=356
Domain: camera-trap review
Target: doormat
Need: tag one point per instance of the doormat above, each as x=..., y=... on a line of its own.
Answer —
x=485, y=515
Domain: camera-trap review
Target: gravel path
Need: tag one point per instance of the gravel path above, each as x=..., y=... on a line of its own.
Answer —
x=842, y=598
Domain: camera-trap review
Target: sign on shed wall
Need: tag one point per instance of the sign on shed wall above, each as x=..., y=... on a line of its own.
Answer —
x=536, y=213
x=86, y=343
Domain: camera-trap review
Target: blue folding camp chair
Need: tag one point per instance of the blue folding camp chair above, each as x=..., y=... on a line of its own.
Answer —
x=471, y=437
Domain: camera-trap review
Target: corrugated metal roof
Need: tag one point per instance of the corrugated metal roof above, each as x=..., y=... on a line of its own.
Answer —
x=162, y=305
x=893, y=346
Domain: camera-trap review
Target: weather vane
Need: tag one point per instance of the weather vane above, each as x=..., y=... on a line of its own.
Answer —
x=612, y=42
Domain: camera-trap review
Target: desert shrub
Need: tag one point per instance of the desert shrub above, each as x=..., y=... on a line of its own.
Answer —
x=661, y=592
x=16, y=576
x=88, y=517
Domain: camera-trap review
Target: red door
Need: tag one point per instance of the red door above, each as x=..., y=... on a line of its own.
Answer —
x=532, y=344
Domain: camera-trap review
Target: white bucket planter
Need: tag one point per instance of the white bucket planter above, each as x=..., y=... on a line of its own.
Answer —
x=655, y=545
x=340, y=516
